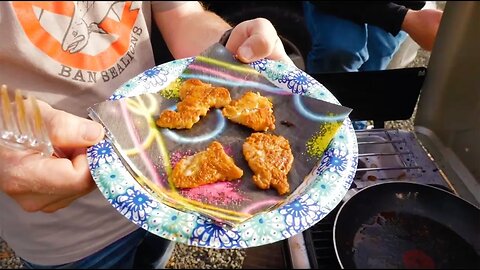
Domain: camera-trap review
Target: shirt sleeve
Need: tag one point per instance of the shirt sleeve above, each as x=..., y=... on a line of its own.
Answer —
x=386, y=15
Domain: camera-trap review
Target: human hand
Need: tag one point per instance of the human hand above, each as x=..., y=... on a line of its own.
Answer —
x=256, y=39
x=422, y=26
x=47, y=184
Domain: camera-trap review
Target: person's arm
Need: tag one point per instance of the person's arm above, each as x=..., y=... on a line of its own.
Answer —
x=421, y=25
x=386, y=15
x=188, y=29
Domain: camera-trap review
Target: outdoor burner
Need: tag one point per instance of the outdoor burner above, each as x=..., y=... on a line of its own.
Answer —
x=385, y=155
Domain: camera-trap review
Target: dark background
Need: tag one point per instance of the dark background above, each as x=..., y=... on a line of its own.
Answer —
x=286, y=17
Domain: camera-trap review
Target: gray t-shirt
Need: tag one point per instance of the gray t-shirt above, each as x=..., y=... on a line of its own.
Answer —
x=71, y=55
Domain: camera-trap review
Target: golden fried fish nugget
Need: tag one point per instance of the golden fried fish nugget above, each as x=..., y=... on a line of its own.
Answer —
x=205, y=167
x=205, y=93
x=178, y=120
x=196, y=100
x=252, y=110
x=270, y=158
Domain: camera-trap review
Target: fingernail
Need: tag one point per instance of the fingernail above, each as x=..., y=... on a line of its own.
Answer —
x=91, y=131
x=245, y=52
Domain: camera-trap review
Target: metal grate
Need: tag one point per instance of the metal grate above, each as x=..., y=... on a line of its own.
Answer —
x=393, y=155
x=319, y=243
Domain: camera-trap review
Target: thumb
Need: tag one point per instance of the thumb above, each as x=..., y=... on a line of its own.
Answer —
x=68, y=130
x=255, y=39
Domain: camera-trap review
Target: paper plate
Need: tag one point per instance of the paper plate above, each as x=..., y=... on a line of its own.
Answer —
x=333, y=174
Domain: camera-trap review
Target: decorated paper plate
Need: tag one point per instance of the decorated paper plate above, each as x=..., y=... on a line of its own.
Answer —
x=328, y=182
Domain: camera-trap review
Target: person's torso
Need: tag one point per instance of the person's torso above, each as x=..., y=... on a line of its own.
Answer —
x=71, y=55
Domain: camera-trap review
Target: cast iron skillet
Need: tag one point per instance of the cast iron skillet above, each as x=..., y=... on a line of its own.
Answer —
x=407, y=225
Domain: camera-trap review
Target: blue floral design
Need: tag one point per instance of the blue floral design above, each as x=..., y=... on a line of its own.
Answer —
x=101, y=153
x=116, y=97
x=125, y=89
x=177, y=66
x=263, y=229
x=339, y=162
x=111, y=179
x=327, y=183
x=341, y=140
x=135, y=205
x=260, y=65
x=171, y=224
x=324, y=189
x=334, y=160
x=341, y=146
x=276, y=70
x=154, y=77
x=301, y=213
x=151, y=72
x=320, y=92
x=211, y=235
x=297, y=81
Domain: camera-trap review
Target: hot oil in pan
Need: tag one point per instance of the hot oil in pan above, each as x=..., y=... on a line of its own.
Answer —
x=401, y=240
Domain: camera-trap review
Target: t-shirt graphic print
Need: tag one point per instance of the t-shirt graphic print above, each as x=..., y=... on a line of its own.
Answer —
x=91, y=40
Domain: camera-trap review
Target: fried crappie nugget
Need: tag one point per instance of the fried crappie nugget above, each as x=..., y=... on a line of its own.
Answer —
x=196, y=100
x=205, y=93
x=270, y=158
x=252, y=110
x=205, y=167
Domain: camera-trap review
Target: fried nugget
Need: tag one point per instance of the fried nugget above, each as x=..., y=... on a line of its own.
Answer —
x=178, y=120
x=252, y=110
x=270, y=158
x=205, y=93
x=191, y=87
x=196, y=100
x=205, y=167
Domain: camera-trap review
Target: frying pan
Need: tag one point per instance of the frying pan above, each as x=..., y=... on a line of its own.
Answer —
x=407, y=225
